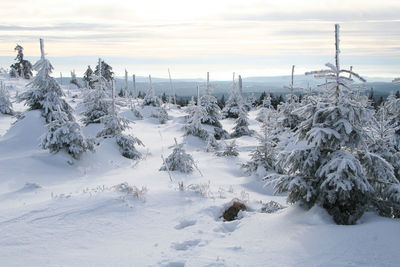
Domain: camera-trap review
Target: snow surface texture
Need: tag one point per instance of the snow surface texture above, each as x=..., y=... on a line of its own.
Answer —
x=107, y=210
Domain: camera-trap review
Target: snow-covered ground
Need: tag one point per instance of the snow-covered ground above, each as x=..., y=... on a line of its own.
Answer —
x=56, y=211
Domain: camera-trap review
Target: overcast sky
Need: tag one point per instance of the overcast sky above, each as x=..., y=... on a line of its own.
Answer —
x=250, y=37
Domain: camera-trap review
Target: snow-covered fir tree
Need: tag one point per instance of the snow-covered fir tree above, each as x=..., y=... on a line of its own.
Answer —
x=150, y=98
x=229, y=150
x=66, y=134
x=22, y=68
x=263, y=157
x=5, y=103
x=382, y=139
x=234, y=102
x=45, y=93
x=114, y=126
x=63, y=132
x=161, y=114
x=87, y=77
x=265, y=110
x=74, y=80
x=194, y=126
x=288, y=117
x=96, y=101
x=333, y=168
x=212, y=112
x=392, y=108
x=251, y=102
x=241, y=127
x=191, y=108
x=178, y=160
x=106, y=72
x=209, y=103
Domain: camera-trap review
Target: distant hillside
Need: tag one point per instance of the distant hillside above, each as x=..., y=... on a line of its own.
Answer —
x=257, y=85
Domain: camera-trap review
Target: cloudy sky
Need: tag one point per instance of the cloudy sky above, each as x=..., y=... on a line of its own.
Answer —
x=250, y=37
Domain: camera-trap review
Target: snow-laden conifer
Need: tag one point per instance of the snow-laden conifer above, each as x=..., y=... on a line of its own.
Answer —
x=74, y=80
x=265, y=110
x=230, y=149
x=212, y=112
x=288, y=117
x=114, y=126
x=241, y=127
x=234, y=102
x=194, y=126
x=150, y=98
x=106, y=72
x=87, y=77
x=63, y=132
x=22, y=68
x=263, y=157
x=45, y=93
x=178, y=160
x=96, y=101
x=161, y=114
x=331, y=166
x=209, y=103
x=392, y=108
x=66, y=135
x=5, y=103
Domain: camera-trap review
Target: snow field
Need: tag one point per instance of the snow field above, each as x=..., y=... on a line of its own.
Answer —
x=72, y=214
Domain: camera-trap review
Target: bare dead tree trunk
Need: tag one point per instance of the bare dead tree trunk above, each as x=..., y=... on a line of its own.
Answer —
x=172, y=87
x=41, y=48
x=134, y=86
x=126, y=84
x=337, y=51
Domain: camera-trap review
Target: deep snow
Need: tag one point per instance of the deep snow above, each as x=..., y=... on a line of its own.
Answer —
x=56, y=211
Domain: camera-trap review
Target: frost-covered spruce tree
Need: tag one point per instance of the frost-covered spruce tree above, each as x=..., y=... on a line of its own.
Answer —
x=265, y=110
x=334, y=169
x=150, y=98
x=233, y=104
x=106, y=72
x=87, y=77
x=383, y=162
x=178, y=160
x=251, y=101
x=191, y=108
x=5, y=103
x=22, y=68
x=74, y=80
x=194, y=126
x=212, y=112
x=392, y=107
x=46, y=94
x=65, y=134
x=382, y=139
x=161, y=114
x=288, y=117
x=263, y=157
x=114, y=125
x=96, y=101
x=230, y=150
x=241, y=127
x=209, y=103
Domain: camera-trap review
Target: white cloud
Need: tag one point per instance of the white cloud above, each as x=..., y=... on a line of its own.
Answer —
x=178, y=29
